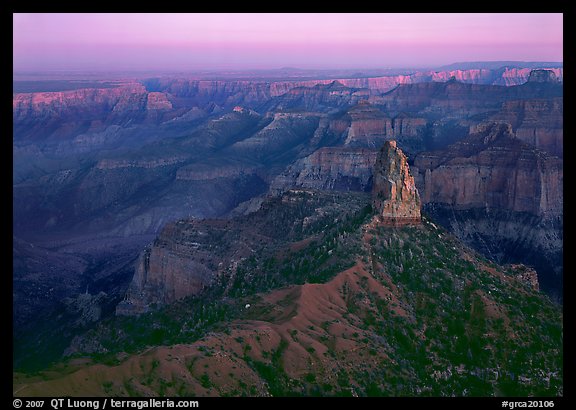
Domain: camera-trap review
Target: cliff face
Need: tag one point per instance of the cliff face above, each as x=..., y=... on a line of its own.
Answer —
x=66, y=114
x=190, y=255
x=62, y=115
x=508, y=77
x=404, y=125
x=178, y=264
x=366, y=126
x=538, y=122
x=330, y=168
x=37, y=105
x=395, y=197
x=158, y=101
x=361, y=130
x=543, y=76
x=322, y=97
x=254, y=91
x=453, y=99
x=517, y=76
x=502, y=197
x=279, y=137
x=450, y=98
x=492, y=169
x=182, y=149
x=163, y=276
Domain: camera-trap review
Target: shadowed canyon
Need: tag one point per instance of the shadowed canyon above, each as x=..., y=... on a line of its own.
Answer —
x=290, y=233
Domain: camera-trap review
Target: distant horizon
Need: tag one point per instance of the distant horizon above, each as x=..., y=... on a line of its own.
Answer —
x=264, y=72
x=98, y=42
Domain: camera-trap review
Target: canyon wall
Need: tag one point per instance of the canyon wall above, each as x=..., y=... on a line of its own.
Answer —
x=329, y=168
x=492, y=169
x=501, y=196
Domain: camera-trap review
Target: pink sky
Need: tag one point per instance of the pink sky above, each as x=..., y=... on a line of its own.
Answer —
x=333, y=40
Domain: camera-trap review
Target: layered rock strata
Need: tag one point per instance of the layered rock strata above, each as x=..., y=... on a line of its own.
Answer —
x=395, y=197
x=329, y=168
x=492, y=169
x=502, y=197
x=538, y=122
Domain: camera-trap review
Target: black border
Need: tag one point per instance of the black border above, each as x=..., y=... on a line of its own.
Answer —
x=527, y=6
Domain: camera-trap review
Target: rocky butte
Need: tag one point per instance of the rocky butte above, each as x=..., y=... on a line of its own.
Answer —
x=395, y=197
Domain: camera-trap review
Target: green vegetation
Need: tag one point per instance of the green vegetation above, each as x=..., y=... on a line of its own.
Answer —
x=205, y=381
x=466, y=331
x=276, y=264
x=454, y=324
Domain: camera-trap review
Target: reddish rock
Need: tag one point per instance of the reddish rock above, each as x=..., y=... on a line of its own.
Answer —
x=517, y=76
x=526, y=274
x=158, y=101
x=395, y=197
x=67, y=113
x=364, y=125
x=476, y=76
x=64, y=114
x=82, y=101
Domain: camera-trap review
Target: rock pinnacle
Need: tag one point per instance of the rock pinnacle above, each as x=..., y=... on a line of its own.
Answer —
x=394, y=194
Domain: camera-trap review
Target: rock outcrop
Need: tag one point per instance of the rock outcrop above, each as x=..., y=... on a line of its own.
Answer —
x=526, y=275
x=388, y=293
x=395, y=197
x=79, y=102
x=163, y=277
x=542, y=76
x=169, y=270
x=187, y=148
x=158, y=101
x=319, y=97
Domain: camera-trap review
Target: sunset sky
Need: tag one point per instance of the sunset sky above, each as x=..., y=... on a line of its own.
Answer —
x=245, y=41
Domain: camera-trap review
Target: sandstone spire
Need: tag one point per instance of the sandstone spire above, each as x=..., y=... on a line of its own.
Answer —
x=395, y=197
